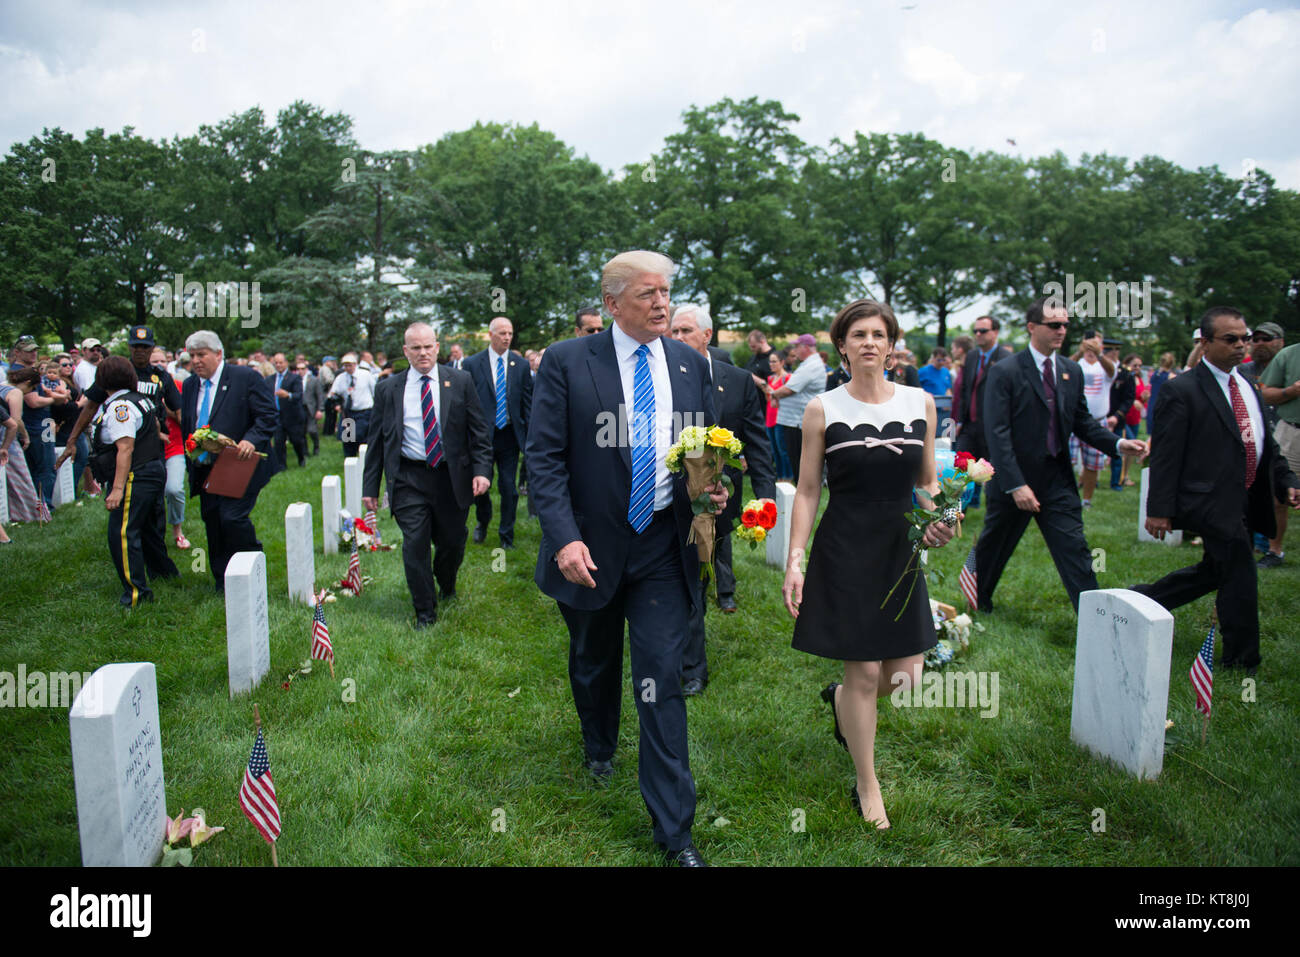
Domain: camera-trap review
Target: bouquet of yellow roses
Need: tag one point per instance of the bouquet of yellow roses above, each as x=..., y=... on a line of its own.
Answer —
x=702, y=453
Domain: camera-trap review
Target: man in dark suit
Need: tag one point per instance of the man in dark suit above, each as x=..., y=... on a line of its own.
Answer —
x=428, y=434
x=1032, y=403
x=969, y=403
x=614, y=526
x=740, y=409
x=286, y=386
x=237, y=402
x=505, y=393
x=1216, y=471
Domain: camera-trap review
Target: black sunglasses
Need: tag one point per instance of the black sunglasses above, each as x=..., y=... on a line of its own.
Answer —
x=1056, y=325
x=1231, y=339
x=1262, y=337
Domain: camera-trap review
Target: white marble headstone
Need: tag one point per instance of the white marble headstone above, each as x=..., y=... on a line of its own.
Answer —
x=361, y=457
x=942, y=443
x=352, y=484
x=4, y=490
x=117, y=767
x=65, y=488
x=1121, y=678
x=778, y=539
x=299, y=553
x=331, y=493
x=248, y=630
x=1171, y=538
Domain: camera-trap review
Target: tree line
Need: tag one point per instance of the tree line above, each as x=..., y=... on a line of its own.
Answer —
x=348, y=245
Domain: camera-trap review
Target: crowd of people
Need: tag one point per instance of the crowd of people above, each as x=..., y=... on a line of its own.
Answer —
x=447, y=432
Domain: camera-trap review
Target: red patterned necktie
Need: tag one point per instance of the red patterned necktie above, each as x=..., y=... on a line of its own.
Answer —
x=1247, y=433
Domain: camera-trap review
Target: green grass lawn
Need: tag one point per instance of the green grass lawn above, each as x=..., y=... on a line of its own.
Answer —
x=415, y=770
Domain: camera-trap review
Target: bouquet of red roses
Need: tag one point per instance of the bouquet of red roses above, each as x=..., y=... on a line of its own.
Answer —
x=757, y=518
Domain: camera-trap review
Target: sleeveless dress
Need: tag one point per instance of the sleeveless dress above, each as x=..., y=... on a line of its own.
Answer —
x=873, y=459
x=22, y=491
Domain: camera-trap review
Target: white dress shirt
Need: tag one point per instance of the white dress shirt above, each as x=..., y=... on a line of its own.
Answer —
x=362, y=384
x=212, y=393
x=1247, y=397
x=625, y=350
x=413, y=413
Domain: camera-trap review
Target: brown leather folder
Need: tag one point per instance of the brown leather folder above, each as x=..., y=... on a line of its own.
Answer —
x=230, y=474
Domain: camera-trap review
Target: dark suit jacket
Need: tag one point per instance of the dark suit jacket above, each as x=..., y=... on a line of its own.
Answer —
x=243, y=408
x=466, y=435
x=580, y=468
x=970, y=384
x=741, y=409
x=519, y=389
x=1123, y=393
x=1198, y=463
x=722, y=355
x=1015, y=419
x=291, y=410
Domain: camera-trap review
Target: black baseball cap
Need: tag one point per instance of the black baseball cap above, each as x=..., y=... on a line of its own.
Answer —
x=140, y=336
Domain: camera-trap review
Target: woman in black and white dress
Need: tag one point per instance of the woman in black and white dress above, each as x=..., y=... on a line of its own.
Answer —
x=876, y=438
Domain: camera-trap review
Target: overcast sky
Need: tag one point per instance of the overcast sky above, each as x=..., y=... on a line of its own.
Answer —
x=1200, y=83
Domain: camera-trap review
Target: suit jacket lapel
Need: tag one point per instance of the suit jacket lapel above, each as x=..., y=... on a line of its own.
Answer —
x=223, y=386
x=1035, y=375
x=602, y=362
x=680, y=379
x=1210, y=386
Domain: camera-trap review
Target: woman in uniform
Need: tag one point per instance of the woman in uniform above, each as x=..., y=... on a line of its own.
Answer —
x=127, y=459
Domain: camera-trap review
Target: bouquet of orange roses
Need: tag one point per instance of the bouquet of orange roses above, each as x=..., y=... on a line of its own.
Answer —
x=757, y=518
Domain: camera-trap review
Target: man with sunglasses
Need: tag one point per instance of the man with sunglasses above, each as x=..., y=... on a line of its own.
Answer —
x=1033, y=403
x=1279, y=381
x=970, y=401
x=1217, y=472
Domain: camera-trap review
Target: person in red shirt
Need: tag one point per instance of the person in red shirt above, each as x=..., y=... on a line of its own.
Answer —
x=174, y=460
x=1135, y=413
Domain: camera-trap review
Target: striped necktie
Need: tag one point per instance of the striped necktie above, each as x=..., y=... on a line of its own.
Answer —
x=432, y=436
x=204, y=411
x=1244, y=427
x=641, y=507
x=502, y=418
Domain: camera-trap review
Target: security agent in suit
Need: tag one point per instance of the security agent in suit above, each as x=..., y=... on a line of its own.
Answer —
x=236, y=402
x=313, y=399
x=1029, y=413
x=286, y=387
x=1216, y=471
x=975, y=373
x=430, y=437
x=740, y=409
x=505, y=393
x=614, y=550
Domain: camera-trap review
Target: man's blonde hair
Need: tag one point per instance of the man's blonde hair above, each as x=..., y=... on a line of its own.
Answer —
x=619, y=272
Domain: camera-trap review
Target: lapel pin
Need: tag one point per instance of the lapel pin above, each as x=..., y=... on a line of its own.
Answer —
x=447, y=384
x=1065, y=376
x=719, y=388
x=512, y=361
x=683, y=368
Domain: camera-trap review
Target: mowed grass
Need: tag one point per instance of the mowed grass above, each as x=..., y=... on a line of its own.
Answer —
x=462, y=745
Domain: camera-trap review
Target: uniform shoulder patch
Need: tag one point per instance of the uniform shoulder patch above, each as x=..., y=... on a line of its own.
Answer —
x=121, y=412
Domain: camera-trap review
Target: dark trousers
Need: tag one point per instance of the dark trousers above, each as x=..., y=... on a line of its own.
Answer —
x=353, y=426
x=296, y=438
x=230, y=529
x=505, y=456
x=135, y=541
x=1117, y=460
x=40, y=463
x=653, y=598
x=972, y=440
x=332, y=406
x=793, y=448
x=1060, y=519
x=1228, y=567
x=425, y=509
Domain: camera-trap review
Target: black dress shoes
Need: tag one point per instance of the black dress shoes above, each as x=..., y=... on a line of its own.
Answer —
x=600, y=770
x=693, y=687
x=446, y=595
x=426, y=621
x=688, y=856
x=828, y=695
x=727, y=603
x=480, y=534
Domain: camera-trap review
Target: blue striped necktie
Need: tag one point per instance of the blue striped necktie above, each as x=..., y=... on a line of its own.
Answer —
x=432, y=436
x=641, y=507
x=502, y=419
x=204, y=412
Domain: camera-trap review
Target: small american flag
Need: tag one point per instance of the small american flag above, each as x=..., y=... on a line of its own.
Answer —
x=1202, y=674
x=321, y=649
x=373, y=522
x=257, y=793
x=966, y=580
x=353, y=581
x=42, y=510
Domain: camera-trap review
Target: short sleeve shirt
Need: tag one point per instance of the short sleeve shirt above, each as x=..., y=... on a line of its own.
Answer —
x=805, y=382
x=1280, y=373
x=119, y=419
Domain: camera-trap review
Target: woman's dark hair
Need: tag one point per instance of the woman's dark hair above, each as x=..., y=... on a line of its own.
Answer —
x=24, y=374
x=115, y=372
x=862, y=309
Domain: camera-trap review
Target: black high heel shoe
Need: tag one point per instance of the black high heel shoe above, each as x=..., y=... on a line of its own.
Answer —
x=855, y=800
x=828, y=695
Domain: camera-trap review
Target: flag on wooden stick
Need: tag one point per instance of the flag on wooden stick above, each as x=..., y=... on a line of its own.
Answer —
x=352, y=582
x=257, y=793
x=373, y=522
x=321, y=647
x=1202, y=674
x=967, y=581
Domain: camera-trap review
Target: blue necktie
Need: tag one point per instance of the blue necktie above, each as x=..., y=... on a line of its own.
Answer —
x=502, y=418
x=204, y=409
x=641, y=507
x=278, y=377
x=432, y=436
